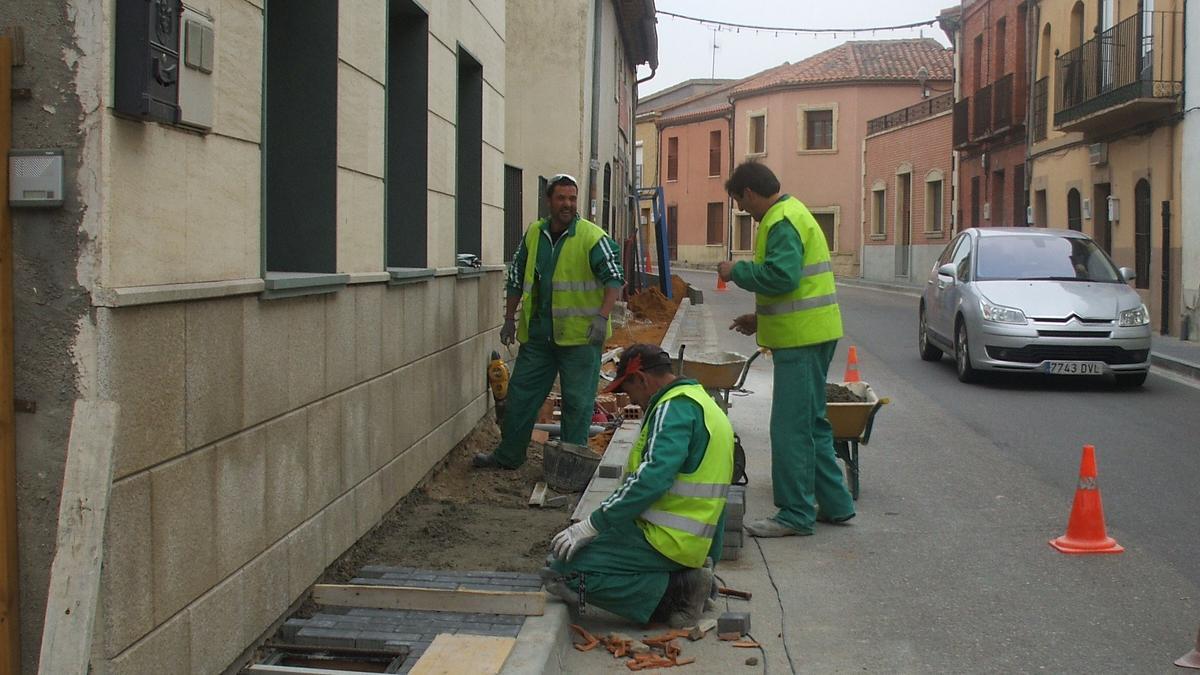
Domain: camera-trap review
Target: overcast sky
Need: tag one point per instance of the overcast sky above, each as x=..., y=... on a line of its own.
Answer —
x=685, y=48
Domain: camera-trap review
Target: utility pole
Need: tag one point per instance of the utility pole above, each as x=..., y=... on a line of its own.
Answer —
x=715, y=47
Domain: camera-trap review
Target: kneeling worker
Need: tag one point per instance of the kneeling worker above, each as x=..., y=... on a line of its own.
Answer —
x=641, y=555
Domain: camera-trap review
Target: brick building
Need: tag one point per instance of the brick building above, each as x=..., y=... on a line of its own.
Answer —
x=989, y=37
x=907, y=190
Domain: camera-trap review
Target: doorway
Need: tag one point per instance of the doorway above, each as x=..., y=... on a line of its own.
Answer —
x=903, y=222
x=1074, y=211
x=673, y=232
x=1101, y=225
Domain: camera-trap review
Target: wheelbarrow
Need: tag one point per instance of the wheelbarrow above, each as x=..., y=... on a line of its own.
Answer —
x=718, y=372
x=852, y=424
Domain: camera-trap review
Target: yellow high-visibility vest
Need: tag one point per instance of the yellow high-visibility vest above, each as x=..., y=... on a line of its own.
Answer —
x=577, y=294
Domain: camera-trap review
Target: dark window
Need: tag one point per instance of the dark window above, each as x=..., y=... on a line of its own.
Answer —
x=978, y=61
x=513, y=220
x=673, y=158
x=543, y=206
x=1141, y=233
x=974, y=201
x=407, y=135
x=826, y=221
x=673, y=232
x=879, y=217
x=1001, y=47
x=714, y=153
x=716, y=222
x=606, y=219
x=300, y=102
x=933, y=206
x=745, y=233
x=818, y=129
x=1074, y=211
x=1019, y=214
x=996, y=199
x=468, y=185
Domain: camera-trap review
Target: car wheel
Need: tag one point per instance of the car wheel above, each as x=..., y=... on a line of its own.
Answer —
x=1131, y=379
x=962, y=357
x=928, y=351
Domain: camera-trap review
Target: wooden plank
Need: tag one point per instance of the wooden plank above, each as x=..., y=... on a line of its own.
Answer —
x=538, y=497
x=521, y=603
x=464, y=655
x=10, y=595
x=75, y=573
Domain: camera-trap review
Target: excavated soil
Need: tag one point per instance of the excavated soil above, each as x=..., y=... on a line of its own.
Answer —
x=836, y=393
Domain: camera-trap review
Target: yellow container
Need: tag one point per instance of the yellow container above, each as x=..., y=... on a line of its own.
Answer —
x=849, y=420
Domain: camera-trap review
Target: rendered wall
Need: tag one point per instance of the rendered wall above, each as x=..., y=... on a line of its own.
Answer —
x=694, y=188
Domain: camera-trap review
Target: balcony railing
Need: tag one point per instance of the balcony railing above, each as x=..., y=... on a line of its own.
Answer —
x=1041, y=108
x=1137, y=60
x=1002, y=90
x=962, y=121
x=981, y=112
x=927, y=108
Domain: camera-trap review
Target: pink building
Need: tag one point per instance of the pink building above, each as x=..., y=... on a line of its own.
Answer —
x=808, y=121
x=908, y=169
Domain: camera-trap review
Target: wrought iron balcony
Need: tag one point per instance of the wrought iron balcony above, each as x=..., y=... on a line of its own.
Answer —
x=913, y=113
x=962, y=110
x=981, y=113
x=1041, y=108
x=1128, y=74
x=1002, y=98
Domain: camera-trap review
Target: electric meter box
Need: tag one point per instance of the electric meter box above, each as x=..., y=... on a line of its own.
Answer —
x=35, y=178
x=196, y=75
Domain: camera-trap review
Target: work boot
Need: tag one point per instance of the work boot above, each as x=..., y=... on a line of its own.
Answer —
x=487, y=460
x=556, y=585
x=769, y=527
x=688, y=596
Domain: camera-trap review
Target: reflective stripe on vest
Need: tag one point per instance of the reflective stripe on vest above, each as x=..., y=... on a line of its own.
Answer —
x=677, y=522
x=682, y=522
x=576, y=294
x=808, y=314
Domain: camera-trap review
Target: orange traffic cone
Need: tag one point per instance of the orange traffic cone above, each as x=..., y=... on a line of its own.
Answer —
x=1085, y=529
x=720, y=284
x=1192, y=658
x=852, y=366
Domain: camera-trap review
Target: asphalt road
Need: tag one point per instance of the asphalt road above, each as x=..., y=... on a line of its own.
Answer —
x=947, y=568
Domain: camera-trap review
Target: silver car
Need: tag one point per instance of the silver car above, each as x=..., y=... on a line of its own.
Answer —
x=1017, y=299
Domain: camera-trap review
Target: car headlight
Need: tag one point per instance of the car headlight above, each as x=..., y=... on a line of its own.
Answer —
x=1001, y=314
x=1139, y=316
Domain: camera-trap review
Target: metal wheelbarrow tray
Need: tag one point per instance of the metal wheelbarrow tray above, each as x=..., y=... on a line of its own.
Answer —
x=852, y=423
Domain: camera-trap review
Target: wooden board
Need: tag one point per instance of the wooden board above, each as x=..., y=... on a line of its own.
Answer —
x=10, y=595
x=75, y=573
x=521, y=603
x=464, y=655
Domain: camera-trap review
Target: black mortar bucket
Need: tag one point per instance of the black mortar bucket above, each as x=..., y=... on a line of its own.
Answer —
x=567, y=467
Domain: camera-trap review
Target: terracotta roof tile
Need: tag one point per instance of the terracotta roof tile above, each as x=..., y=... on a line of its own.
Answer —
x=875, y=60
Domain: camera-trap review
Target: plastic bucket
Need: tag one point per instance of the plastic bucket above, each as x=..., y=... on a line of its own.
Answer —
x=567, y=467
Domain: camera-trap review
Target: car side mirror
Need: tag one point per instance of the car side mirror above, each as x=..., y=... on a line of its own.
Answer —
x=948, y=270
x=1127, y=274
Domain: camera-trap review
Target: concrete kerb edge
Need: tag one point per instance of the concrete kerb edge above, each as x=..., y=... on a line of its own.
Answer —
x=542, y=643
x=1178, y=366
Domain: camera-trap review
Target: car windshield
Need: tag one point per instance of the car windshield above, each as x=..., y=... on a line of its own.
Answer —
x=1034, y=257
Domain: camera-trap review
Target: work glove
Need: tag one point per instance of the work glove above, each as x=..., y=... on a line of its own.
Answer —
x=508, y=334
x=567, y=543
x=598, y=330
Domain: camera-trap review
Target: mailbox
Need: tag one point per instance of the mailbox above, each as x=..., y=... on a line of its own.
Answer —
x=146, y=62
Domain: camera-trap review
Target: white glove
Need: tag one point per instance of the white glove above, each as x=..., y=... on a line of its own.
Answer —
x=567, y=543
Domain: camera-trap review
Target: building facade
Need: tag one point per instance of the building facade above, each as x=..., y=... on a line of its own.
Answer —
x=908, y=176
x=808, y=120
x=990, y=40
x=1106, y=144
x=572, y=87
x=258, y=263
x=1190, y=175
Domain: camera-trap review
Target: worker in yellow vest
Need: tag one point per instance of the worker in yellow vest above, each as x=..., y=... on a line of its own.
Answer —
x=565, y=278
x=641, y=554
x=796, y=317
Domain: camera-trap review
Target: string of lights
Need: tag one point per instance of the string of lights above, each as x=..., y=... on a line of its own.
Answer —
x=791, y=30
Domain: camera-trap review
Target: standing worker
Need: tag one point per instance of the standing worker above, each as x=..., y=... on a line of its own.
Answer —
x=565, y=277
x=641, y=555
x=797, y=318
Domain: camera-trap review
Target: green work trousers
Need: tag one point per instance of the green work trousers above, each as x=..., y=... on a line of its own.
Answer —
x=538, y=363
x=620, y=572
x=804, y=468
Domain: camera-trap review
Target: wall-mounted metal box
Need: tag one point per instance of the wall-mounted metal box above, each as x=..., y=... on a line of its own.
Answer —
x=35, y=178
x=146, y=62
x=196, y=76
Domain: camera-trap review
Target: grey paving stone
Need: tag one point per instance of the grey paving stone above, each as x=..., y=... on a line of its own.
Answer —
x=326, y=637
x=373, y=639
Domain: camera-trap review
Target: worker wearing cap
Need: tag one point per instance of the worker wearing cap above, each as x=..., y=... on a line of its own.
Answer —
x=798, y=319
x=565, y=278
x=641, y=554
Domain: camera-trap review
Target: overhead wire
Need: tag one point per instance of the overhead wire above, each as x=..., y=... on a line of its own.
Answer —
x=794, y=29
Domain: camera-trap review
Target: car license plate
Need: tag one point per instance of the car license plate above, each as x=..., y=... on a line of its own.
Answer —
x=1073, y=367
